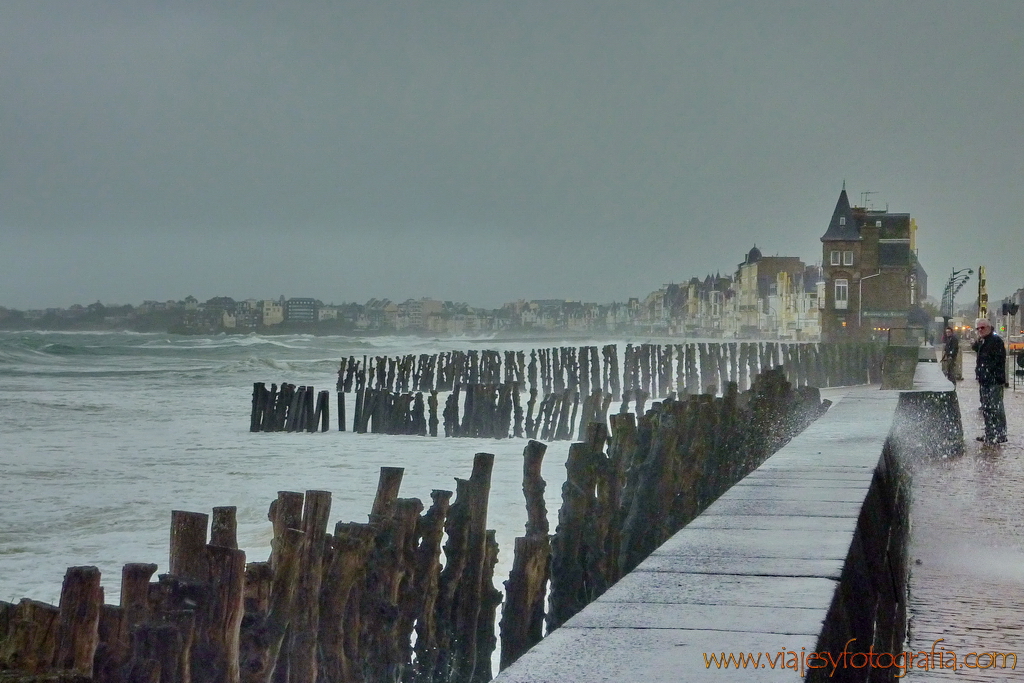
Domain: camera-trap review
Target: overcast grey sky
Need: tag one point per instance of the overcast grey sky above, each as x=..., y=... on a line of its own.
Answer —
x=484, y=151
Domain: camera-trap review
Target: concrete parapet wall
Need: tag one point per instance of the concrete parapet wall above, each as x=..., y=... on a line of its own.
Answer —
x=801, y=556
x=899, y=365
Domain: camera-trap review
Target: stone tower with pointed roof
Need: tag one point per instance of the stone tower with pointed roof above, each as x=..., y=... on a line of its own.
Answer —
x=872, y=276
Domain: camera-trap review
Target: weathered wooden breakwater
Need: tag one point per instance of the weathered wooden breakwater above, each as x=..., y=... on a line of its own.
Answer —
x=344, y=606
x=325, y=607
x=551, y=396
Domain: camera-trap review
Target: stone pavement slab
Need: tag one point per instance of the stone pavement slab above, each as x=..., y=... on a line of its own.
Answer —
x=653, y=655
x=741, y=564
x=779, y=542
x=791, y=523
x=689, y=616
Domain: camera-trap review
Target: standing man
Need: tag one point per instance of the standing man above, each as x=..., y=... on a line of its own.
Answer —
x=950, y=352
x=990, y=372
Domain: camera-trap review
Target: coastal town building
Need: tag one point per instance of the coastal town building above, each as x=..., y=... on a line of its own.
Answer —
x=300, y=310
x=413, y=313
x=327, y=313
x=792, y=305
x=273, y=312
x=377, y=314
x=757, y=280
x=873, y=279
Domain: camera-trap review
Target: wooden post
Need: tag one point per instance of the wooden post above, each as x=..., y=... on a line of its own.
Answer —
x=388, y=484
x=268, y=421
x=721, y=356
x=285, y=513
x=261, y=665
x=572, y=539
x=310, y=416
x=112, y=651
x=226, y=581
x=160, y=651
x=325, y=411
x=317, y=412
x=339, y=632
x=259, y=577
x=341, y=411
x=601, y=567
x=135, y=609
x=253, y=643
x=532, y=373
x=223, y=530
x=595, y=368
x=258, y=399
x=388, y=609
x=531, y=424
x=587, y=413
x=427, y=583
x=284, y=399
x=490, y=600
x=743, y=353
x=31, y=643
x=357, y=415
x=291, y=423
x=612, y=359
x=188, y=543
x=517, y=411
x=451, y=414
x=563, y=423
x=522, y=620
x=583, y=372
x=470, y=601
x=302, y=657
x=81, y=599
x=432, y=407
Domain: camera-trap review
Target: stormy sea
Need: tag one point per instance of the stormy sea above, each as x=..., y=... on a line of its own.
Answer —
x=103, y=434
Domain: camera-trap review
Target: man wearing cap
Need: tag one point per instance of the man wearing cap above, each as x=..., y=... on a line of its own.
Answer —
x=990, y=372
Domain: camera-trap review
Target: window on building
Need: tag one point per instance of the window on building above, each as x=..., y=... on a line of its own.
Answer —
x=834, y=258
x=878, y=224
x=842, y=293
x=847, y=258
x=842, y=220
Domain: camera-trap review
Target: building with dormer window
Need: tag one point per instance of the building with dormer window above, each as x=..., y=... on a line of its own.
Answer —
x=873, y=279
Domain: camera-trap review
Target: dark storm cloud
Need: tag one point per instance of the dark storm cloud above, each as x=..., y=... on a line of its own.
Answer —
x=487, y=151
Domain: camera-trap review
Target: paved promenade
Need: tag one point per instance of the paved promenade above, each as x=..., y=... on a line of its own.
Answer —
x=967, y=546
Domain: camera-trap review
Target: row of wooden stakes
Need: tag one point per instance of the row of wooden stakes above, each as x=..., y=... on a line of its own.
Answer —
x=289, y=410
x=658, y=370
x=373, y=602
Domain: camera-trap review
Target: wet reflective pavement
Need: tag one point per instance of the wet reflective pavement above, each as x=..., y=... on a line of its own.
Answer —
x=967, y=547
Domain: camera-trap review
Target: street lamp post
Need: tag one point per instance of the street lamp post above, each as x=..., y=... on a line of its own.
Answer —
x=956, y=280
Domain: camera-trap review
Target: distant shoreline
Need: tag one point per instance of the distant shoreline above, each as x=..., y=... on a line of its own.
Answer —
x=504, y=337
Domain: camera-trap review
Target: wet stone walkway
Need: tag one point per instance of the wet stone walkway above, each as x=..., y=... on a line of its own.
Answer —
x=967, y=547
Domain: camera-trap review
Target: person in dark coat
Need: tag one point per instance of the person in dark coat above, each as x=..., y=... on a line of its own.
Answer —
x=990, y=371
x=950, y=352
